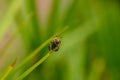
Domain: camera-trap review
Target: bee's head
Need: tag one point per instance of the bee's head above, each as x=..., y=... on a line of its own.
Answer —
x=56, y=40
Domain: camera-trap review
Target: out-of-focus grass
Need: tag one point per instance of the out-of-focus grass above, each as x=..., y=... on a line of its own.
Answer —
x=89, y=49
x=9, y=16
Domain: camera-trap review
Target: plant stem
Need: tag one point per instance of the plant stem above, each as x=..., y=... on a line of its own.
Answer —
x=34, y=66
x=39, y=48
x=6, y=73
x=35, y=52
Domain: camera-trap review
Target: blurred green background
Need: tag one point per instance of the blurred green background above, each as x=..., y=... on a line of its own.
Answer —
x=90, y=48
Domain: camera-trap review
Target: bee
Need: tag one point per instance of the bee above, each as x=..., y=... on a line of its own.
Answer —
x=55, y=44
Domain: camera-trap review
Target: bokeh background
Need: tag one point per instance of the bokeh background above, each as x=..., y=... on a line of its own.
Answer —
x=90, y=48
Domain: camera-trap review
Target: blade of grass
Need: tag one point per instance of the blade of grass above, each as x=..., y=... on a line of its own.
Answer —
x=34, y=66
x=9, y=69
x=9, y=16
x=29, y=57
x=27, y=72
x=39, y=49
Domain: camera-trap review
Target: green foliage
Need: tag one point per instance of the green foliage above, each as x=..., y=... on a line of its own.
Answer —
x=89, y=48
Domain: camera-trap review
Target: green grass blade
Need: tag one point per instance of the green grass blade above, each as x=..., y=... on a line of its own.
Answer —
x=35, y=52
x=34, y=66
x=41, y=60
x=9, y=69
x=39, y=49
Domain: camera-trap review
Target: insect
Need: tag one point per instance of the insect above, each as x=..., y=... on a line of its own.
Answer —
x=55, y=44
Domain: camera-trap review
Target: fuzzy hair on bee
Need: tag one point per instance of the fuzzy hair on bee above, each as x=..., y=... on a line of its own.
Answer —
x=55, y=44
